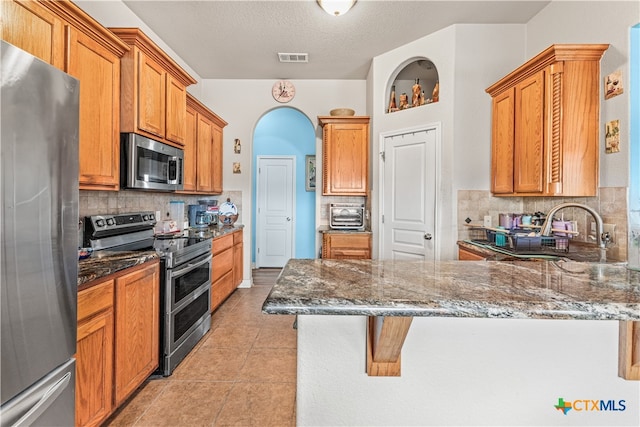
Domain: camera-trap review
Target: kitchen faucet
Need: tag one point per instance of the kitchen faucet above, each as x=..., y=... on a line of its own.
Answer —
x=601, y=238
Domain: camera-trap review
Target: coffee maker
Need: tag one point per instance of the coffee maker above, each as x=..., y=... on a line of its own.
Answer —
x=198, y=217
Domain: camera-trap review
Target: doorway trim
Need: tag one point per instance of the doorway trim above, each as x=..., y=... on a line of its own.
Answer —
x=435, y=126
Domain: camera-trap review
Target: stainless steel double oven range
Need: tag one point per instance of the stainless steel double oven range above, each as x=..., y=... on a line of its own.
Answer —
x=185, y=277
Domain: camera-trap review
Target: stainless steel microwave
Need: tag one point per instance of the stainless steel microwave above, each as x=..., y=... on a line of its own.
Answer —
x=146, y=164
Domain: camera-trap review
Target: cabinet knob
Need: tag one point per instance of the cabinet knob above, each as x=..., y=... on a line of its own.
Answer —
x=428, y=236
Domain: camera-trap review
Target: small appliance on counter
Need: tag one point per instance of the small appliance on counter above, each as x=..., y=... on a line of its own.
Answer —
x=198, y=217
x=346, y=216
x=212, y=210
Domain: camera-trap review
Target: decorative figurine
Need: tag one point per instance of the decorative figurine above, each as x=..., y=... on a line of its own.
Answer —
x=404, y=101
x=416, y=89
x=392, y=102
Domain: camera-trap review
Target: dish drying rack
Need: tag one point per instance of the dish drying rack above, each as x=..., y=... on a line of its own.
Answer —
x=524, y=239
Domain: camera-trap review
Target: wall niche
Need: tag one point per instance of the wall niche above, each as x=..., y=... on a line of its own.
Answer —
x=415, y=84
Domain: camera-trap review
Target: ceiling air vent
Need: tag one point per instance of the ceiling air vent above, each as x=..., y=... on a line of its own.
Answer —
x=293, y=57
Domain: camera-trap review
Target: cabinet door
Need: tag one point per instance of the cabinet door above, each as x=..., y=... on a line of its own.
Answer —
x=176, y=108
x=94, y=369
x=99, y=71
x=237, y=263
x=190, y=153
x=502, y=143
x=346, y=246
x=151, y=96
x=205, y=147
x=32, y=28
x=346, y=159
x=137, y=329
x=529, y=134
x=216, y=160
x=94, y=354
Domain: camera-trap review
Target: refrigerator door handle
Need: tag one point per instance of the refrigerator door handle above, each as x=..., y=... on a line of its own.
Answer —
x=45, y=401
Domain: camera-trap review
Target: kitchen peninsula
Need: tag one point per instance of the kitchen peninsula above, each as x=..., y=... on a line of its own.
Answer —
x=494, y=343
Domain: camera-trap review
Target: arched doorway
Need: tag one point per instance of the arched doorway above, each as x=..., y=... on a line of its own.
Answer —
x=284, y=133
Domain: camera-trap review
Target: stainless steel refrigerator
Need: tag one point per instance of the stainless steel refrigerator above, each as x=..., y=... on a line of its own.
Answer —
x=39, y=145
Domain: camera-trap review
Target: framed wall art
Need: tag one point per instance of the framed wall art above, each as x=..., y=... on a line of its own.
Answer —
x=310, y=172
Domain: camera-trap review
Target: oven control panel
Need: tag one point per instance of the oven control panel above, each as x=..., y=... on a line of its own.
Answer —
x=111, y=224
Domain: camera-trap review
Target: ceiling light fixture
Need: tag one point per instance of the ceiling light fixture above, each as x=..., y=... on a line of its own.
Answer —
x=336, y=7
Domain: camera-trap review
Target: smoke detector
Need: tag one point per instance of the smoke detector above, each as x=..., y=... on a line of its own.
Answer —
x=293, y=57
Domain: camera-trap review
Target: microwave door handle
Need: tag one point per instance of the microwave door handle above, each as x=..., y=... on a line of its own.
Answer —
x=172, y=177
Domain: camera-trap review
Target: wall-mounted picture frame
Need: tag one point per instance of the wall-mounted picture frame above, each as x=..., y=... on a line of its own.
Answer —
x=310, y=172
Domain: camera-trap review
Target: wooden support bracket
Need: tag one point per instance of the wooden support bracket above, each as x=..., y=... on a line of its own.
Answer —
x=385, y=337
x=629, y=350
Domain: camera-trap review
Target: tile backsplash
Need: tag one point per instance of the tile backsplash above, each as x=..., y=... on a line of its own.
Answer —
x=610, y=203
x=112, y=202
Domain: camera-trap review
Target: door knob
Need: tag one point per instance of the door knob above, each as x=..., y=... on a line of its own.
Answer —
x=428, y=236
x=288, y=219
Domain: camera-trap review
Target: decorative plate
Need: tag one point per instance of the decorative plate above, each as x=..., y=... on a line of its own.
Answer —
x=227, y=208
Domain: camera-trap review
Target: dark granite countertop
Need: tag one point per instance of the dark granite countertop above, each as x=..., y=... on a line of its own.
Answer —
x=480, y=289
x=104, y=263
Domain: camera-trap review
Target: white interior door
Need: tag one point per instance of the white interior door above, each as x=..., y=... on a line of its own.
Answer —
x=275, y=203
x=409, y=195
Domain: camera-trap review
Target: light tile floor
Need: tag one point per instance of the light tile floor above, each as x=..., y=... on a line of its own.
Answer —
x=242, y=373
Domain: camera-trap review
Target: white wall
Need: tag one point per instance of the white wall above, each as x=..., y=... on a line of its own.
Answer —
x=469, y=58
x=243, y=102
x=456, y=371
x=595, y=22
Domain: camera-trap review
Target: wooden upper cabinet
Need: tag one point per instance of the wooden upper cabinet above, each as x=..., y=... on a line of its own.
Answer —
x=502, y=147
x=151, y=96
x=35, y=29
x=203, y=162
x=216, y=159
x=545, y=124
x=63, y=35
x=205, y=148
x=98, y=70
x=175, y=117
x=345, y=155
x=153, y=90
x=190, y=150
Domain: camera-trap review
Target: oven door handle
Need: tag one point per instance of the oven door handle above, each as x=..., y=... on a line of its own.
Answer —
x=191, y=266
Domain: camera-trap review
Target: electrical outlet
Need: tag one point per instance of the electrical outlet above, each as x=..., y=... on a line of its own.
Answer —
x=608, y=228
x=487, y=220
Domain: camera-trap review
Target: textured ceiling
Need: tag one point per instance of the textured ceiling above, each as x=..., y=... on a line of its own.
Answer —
x=222, y=39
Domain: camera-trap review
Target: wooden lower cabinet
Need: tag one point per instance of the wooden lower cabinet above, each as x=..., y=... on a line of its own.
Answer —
x=94, y=354
x=346, y=245
x=117, y=340
x=137, y=329
x=226, y=270
x=465, y=255
x=237, y=258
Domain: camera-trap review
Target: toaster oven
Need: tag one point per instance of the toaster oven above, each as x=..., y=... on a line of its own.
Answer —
x=346, y=216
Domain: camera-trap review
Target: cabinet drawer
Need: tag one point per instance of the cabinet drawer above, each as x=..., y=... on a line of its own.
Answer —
x=221, y=264
x=95, y=299
x=221, y=289
x=350, y=254
x=359, y=241
x=221, y=243
x=465, y=255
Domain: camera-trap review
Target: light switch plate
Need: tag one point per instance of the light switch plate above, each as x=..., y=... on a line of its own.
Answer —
x=487, y=221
